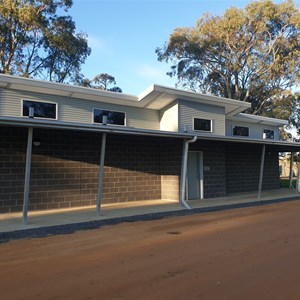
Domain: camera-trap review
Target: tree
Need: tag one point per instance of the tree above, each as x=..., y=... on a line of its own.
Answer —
x=250, y=54
x=35, y=41
x=101, y=81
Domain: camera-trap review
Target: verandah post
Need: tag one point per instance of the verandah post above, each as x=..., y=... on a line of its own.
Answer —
x=27, y=175
x=101, y=174
x=261, y=171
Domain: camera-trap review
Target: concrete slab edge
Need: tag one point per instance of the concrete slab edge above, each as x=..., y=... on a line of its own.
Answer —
x=46, y=231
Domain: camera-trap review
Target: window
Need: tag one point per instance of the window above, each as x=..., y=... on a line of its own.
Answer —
x=268, y=134
x=41, y=109
x=240, y=131
x=202, y=124
x=113, y=117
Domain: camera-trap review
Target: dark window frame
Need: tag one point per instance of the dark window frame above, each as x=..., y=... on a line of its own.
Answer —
x=202, y=119
x=107, y=112
x=241, y=128
x=272, y=135
x=25, y=110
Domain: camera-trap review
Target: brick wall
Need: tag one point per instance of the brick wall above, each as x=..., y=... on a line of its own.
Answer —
x=234, y=168
x=214, y=168
x=65, y=169
x=132, y=169
x=171, y=155
x=271, y=179
x=243, y=167
x=12, y=168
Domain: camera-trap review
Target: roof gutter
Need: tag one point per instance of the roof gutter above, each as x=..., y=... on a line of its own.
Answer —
x=37, y=123
x=246, y=140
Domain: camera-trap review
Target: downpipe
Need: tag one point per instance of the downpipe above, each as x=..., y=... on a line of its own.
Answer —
x=184, y=171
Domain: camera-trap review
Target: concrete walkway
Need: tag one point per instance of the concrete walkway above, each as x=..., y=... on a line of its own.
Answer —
x=282, y=193
x=13, y=221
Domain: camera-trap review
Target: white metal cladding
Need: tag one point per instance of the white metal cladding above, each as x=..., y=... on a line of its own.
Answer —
x=169, y=117
x=77, y=110
x=189, y=110
x=255, y=130
x=10, y=104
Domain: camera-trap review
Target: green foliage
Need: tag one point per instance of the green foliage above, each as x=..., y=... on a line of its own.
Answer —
x=250, y=54
x=285, y=183
x=35, y=41
x=101, y=81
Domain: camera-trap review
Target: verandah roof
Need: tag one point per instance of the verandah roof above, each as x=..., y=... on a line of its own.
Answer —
x=282, y=146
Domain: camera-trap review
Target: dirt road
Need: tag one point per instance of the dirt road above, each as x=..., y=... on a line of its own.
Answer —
x=251, y=253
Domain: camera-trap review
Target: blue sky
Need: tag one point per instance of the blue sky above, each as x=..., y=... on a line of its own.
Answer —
x=124, y=34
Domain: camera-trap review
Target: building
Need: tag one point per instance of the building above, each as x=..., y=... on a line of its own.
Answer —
x=65, y=146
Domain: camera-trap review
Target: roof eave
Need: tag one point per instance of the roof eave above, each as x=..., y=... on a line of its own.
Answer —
x=241, y=117
x=64, y=90
x=54, y=124
x=154, y=97
x=158, y=96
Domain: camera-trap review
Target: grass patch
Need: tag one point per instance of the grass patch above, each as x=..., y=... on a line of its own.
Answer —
x=285, y=183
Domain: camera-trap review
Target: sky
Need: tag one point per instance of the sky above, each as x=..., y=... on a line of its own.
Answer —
x=123, y=36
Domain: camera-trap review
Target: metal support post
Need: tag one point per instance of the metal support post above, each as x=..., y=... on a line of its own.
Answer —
x=261, y=172
x=298, y=179
x=27, y=175
x=291, y=171
x=101, y=174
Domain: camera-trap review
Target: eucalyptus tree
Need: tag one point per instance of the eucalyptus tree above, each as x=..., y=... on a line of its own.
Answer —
x=102, y=81
x=250, y=54
x=37, y=42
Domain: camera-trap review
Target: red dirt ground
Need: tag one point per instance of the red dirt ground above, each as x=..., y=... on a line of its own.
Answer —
x=251, y=253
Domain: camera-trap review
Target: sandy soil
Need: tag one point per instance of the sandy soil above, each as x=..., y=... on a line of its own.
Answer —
x=251, y=253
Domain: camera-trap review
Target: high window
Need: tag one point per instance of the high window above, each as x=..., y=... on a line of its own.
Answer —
x=268, y=134
x=109, y=117
x=43, y=110
x=202, y=124
x=240, y=131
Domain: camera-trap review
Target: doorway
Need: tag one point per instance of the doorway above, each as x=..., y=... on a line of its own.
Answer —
x=195, y=175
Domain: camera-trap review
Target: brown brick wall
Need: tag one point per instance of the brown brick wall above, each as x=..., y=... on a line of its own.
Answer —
x=243, y=167
x=171, y=155
x=234, y=168
x=133, y=170
x=12, y=168
x=65, y=168
x=271, y=179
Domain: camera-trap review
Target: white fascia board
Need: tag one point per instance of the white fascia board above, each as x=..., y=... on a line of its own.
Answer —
x=66, y=90
x=158, y=96
x=242, y=117
x=206, y=136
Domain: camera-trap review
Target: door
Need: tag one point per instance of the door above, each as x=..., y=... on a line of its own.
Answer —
x=195, y=175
